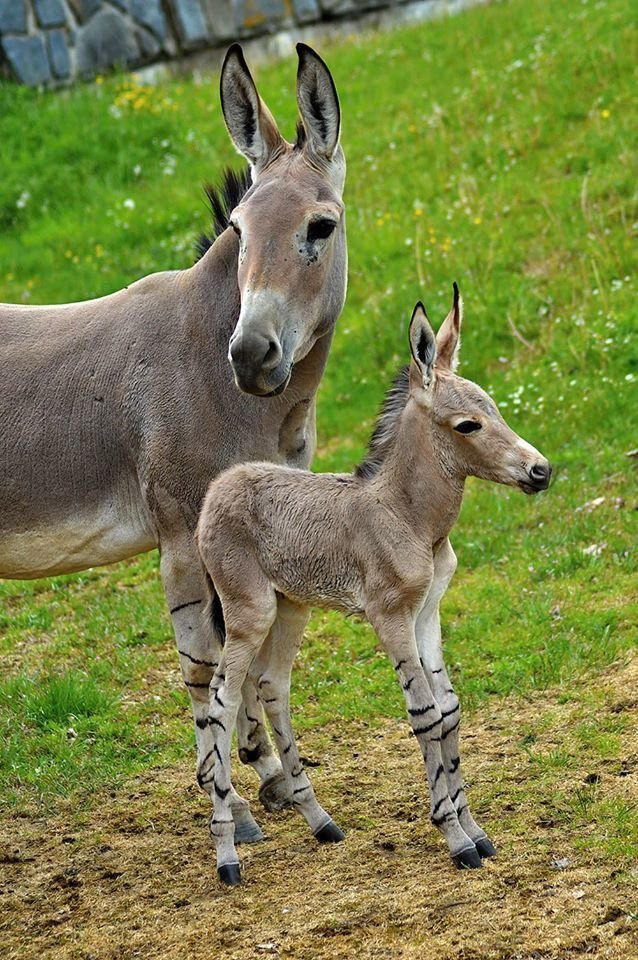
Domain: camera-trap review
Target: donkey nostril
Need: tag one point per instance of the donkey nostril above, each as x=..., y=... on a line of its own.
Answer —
x=273, y=355
x=539, y=473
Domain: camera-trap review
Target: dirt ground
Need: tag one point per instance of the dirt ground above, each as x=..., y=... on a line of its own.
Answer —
x=136, y=878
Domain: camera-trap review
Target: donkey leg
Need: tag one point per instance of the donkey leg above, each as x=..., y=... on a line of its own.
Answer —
x=398, y=639
x=273, y=669
x=199, y=653
x=428, y=632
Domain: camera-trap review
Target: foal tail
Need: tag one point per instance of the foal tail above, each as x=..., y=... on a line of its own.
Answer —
x=213, y=610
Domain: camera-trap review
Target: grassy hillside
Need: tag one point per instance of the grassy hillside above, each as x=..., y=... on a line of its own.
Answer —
x=496, y=149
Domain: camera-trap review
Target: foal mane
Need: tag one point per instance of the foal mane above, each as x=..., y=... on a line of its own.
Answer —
x=385, y=427
x=223, y=199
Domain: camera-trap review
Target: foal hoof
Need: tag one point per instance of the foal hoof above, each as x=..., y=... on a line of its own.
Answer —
x=248, y=831
x=485, y=847
x=273, y=793
x=229, y=874
x=467, y=859
x=330, y=833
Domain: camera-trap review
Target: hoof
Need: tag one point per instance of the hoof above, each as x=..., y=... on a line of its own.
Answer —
x=248, y=831
x=467, y=859
x=229, y=874
x=485, y=847
x=330, y=833
x=273, y=793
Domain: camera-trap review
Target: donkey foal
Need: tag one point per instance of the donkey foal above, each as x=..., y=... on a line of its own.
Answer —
x=276, y=541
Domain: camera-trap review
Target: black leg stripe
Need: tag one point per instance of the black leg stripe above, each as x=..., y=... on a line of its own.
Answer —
x=421, y=710
x=430, y=726
x=440, y=670
x=455, y=764
x=301, y=789
x=438, y=773
x=219, y=756
x=453, y=798
x=197, y=686
x=214, y=722
x=400, y=664
x=406, y=686
x=222, y=794
x=297, y=773
x=249, y=718
x=203, y=663
x=451, y=730
x=288, y=748
x=437, y=805
x=449, y=713
x=182, y=606
x=438, y=821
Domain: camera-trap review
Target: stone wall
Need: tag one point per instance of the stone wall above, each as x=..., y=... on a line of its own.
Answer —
x=53, y=42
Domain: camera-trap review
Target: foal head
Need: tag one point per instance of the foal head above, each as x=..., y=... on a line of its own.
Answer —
x=290, y=224
x=470, y=436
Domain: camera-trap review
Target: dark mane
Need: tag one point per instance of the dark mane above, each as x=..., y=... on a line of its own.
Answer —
x=223, y=200
x=384, y=431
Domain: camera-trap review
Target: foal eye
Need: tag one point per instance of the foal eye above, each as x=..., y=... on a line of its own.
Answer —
x=467, y=426
x=320, y=229
x=235, y=227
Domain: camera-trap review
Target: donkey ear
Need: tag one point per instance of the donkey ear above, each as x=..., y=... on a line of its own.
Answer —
x=422, y=343
x=249, y=121
x=318, y=102
x=448, y=339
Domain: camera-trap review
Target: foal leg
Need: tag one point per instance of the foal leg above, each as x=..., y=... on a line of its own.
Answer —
x=428, y=633
x=243, y=640
x=272, y=671
x=398, y=639
x=199, y=653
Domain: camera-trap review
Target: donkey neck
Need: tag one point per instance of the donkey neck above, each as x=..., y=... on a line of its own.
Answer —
x=414, y=480
x=213, y=295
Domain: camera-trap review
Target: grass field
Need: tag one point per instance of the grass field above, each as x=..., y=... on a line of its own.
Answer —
x=497, y=149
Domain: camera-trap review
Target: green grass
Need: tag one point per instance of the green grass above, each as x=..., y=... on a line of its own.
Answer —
x=497, y=149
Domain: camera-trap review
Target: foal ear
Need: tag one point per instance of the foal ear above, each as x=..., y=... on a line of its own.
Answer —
x=249, y=121
x=318, y=102
x=422, y=343
x=448, y=339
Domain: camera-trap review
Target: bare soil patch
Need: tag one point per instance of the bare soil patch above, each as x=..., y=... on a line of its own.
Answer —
x=135, y=876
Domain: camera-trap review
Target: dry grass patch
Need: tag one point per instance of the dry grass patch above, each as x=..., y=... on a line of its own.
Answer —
x=135, y=875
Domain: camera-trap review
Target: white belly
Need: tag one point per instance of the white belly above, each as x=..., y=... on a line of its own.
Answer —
x=75, y=543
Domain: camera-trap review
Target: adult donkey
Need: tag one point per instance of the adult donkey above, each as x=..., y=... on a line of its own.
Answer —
x=116, y=413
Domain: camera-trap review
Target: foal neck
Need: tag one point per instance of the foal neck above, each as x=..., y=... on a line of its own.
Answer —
x=415, y=481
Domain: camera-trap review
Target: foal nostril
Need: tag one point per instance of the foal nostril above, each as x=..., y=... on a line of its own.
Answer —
x=540, y=474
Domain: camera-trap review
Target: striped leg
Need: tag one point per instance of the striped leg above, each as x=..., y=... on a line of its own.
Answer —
x=273, y=671
x=242, y=644
x=398, y=639
x=428, y=632
x=255, y=748
x=199, y=653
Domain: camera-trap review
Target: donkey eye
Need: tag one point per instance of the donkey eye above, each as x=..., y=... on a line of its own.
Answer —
x=320, y=229
x=467, y=426
x=235, y=227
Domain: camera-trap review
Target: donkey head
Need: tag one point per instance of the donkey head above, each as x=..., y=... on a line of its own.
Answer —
x=469, y=435
x=290, y=224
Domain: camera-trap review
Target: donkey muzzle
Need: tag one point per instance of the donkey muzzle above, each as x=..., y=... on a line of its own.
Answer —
x=258, y=364
x=539, y=475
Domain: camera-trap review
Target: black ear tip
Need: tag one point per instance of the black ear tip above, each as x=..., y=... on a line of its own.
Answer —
x=455, y=287
x=419, y=305
x=234, y=52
